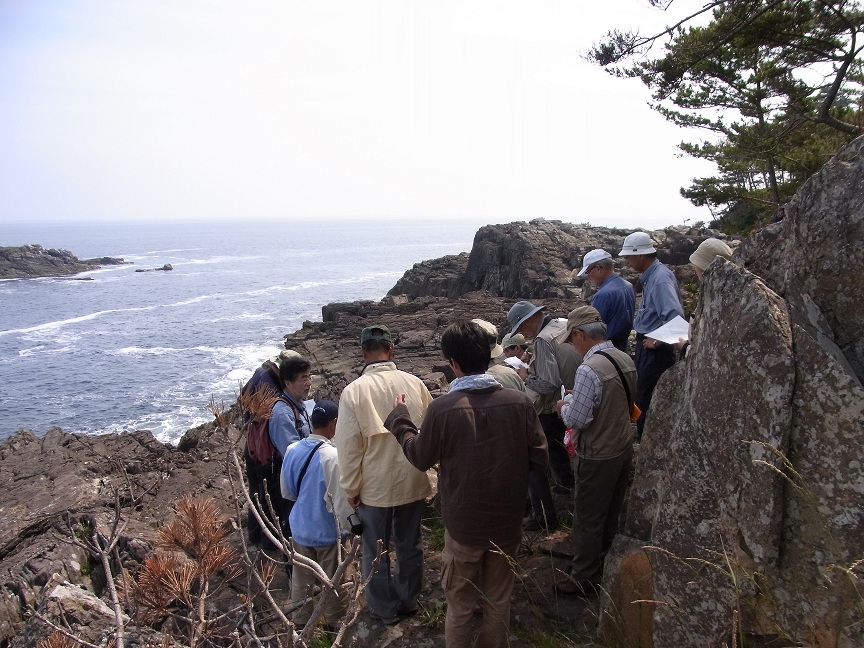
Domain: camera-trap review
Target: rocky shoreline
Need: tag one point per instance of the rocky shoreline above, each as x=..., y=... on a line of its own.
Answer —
x=32, y=261
x=745, y=521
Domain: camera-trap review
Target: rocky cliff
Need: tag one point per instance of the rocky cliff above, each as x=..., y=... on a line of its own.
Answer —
x=535, y=260
x=746, y=515
x=29, y=261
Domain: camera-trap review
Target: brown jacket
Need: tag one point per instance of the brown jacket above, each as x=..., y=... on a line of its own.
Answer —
x=486, y=441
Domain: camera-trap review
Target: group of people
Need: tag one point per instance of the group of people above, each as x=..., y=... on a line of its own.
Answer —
x=491, y=436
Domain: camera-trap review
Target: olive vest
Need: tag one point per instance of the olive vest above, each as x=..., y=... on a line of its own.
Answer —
x=611, y=431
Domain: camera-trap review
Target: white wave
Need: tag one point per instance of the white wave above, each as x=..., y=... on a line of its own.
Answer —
x=244, y=317
x=41, y=350
x=52, y=326
x=370, y=276
x=301, y=286
x=133, y=350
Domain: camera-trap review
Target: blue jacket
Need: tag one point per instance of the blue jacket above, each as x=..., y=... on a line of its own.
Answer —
x=661, y=299
x=312, y=524
x=284, y=427
x=615, y=300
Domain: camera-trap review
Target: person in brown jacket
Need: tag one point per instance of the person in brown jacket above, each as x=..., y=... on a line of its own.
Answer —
x=486, y=440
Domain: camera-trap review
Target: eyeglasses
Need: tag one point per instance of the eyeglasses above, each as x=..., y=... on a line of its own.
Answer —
x=591, y=269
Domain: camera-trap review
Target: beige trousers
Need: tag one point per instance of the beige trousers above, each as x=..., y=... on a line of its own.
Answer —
x=303, y=581
x=470, y=574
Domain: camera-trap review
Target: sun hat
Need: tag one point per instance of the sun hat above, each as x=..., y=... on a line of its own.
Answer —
x=287, y=354
x=495, y=349
x=375, y=332
x=579, y=316
x=513, y=339
x=708, y=250
x=637, y=243
x=323, y=412
x=591, y=258
x=519, y=312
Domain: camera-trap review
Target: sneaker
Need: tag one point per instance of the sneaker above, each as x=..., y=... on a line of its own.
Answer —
x=405, y=612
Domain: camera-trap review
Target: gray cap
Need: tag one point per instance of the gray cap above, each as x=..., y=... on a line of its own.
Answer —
x=519, y=312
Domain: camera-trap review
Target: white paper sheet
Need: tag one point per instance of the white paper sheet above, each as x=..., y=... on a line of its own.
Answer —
x=671, y=331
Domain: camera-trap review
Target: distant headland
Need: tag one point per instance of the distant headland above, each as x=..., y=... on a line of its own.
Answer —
x=31, y=261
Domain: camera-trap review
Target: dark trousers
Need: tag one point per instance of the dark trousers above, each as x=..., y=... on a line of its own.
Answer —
x=264, y=480
x=650, y=365
x=542, y=504
x=559, y=459
x=600, y=489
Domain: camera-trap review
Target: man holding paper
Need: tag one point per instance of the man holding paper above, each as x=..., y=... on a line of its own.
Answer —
x=661, y=303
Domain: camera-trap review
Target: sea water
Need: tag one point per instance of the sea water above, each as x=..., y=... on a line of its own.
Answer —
x=147, y=350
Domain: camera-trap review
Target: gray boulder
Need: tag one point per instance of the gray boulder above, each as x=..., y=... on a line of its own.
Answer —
x=747, y=516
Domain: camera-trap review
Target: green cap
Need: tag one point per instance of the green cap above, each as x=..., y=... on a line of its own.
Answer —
x=375, y=332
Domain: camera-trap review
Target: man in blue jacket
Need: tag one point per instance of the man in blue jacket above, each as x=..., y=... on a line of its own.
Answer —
x=615, y=298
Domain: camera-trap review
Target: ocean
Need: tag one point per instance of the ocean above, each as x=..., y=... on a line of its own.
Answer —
x=129, y=351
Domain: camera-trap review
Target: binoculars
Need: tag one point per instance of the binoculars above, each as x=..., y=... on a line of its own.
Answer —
x=356, y=523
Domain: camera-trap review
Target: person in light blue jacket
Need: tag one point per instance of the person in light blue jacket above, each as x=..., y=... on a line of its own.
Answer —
x=319, y=517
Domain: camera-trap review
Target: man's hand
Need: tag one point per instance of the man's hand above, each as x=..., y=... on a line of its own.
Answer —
x=400, y=400
x=354, y=502
x=650, y=343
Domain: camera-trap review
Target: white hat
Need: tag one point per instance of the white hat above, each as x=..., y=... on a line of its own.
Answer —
x=637, y=243
x=495, y=349
x=591, y=258
x=708, y=250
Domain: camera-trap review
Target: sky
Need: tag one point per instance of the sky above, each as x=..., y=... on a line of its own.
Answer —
x=466, y=109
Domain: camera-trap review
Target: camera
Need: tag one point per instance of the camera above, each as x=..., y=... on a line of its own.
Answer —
x=356, y=523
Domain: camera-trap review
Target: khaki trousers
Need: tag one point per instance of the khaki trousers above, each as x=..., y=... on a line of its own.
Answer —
x=302, y=582
x=470, y=574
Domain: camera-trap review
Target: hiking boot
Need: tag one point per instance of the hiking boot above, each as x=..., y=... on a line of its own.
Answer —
x=387, y=621
x=531, y=523
x=570, y=587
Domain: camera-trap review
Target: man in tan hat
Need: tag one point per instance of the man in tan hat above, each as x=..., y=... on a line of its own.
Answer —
x=598, y=412
x=503, y=373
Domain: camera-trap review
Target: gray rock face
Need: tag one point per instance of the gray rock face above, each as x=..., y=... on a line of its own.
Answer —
x=47, y=480
x=814, y=259
x=749, y=487
x=534, y=260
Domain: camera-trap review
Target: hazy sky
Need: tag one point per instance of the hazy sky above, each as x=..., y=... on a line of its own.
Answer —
x=317, y=109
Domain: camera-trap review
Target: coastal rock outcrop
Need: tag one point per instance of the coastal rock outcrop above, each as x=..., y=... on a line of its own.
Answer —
x=51, y=481
x=535, y=260
x=746, y=516
x=29, y=261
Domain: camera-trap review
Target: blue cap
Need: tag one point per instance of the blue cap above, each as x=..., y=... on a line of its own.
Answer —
x=324, y=412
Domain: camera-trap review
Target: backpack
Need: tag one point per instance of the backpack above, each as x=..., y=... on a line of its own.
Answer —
x=258, y=444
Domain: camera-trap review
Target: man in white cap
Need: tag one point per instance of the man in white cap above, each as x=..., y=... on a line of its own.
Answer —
x=661, y=303
x=552, y=366
x=615, y=298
